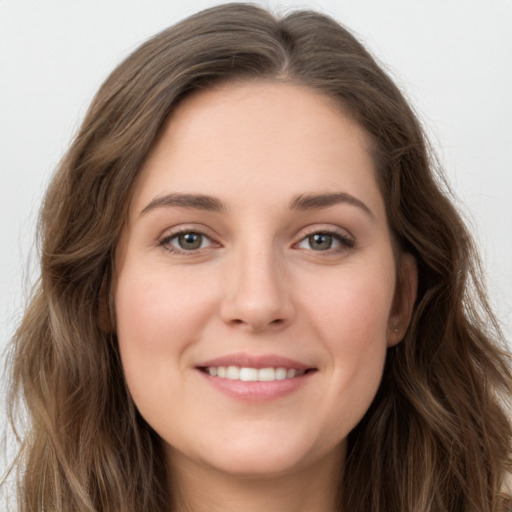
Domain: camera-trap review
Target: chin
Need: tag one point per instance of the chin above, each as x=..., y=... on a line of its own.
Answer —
x=261, y=454
x=253, y=465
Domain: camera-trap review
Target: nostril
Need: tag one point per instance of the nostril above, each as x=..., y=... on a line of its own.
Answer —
x=258, y=325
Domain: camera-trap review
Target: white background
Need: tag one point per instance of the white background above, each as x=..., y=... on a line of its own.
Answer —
x=453, y=59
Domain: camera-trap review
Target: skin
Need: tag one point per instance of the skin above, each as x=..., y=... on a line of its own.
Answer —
x=258, y=285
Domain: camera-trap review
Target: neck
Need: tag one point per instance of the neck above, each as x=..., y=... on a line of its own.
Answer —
x=202, y=489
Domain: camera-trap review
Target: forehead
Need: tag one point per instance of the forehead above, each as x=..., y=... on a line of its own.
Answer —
x=262, y=140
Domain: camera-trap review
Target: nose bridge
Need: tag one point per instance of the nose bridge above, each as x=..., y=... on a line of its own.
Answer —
x=257, y=293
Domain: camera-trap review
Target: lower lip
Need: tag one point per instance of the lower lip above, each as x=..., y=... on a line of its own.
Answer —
x=257, y=391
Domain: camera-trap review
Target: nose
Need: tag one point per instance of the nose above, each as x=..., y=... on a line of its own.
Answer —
x=257, y=293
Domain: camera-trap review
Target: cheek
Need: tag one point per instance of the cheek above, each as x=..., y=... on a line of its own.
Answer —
x=357, y=339
x=352, y=319
x=354, y=306
x=156, y=311
x=158, y=317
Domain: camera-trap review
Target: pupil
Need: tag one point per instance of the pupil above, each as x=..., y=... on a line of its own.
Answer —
x=320, y=242
x=190, y=241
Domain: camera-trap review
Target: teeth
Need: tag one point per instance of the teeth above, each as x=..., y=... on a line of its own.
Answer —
x=233, y=373
x=248, y=374
x=266, y=374
x=280, y=373
x=253, y=374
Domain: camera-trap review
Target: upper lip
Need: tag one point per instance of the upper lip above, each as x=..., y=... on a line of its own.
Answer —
x=255, y=361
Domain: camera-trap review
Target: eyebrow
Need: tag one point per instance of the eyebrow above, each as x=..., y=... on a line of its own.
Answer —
x=212, y=204
x=190, y=201
x=317, y=201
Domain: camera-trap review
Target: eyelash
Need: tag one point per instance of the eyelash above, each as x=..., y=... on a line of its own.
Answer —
x=345, y=242
x=166, y=242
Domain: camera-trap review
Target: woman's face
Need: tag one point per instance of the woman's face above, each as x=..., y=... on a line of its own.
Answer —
x=255, y=286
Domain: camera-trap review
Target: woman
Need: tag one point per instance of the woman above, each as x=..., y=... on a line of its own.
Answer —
x=254, y=293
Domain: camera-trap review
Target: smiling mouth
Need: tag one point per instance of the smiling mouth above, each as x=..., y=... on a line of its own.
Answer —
x=248, y=374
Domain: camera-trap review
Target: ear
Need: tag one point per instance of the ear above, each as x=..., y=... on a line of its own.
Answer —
x=403, y=302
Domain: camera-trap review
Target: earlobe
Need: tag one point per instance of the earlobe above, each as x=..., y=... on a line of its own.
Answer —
x=404, y=300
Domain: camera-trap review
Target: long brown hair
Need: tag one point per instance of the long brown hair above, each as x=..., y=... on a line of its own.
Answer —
x=437, y=436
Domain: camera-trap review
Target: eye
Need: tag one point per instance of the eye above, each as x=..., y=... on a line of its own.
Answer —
x=186, y=241
x=325, y=241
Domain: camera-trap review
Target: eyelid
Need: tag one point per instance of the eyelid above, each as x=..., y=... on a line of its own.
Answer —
x=346, y=239
x=326, y=228
x=187, y=228
x=164, y=240
x=343, y=236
